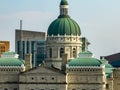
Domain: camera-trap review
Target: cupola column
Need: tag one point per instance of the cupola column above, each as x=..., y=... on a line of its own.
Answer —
x=64, y=7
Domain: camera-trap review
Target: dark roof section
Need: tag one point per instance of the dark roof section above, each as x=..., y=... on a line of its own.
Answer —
x=116, y=63
x=113, y=59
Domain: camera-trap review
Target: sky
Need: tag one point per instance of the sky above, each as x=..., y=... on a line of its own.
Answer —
x=98, y=19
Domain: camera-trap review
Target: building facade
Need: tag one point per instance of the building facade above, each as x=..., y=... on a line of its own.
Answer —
x=4, y=46
x=67, y=67
x=31, y=42
x=82, y=73
x=86, y=73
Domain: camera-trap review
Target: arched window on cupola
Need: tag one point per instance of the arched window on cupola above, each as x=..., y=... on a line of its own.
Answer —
x=74, y=52
x=50, y=53
x=61, y=51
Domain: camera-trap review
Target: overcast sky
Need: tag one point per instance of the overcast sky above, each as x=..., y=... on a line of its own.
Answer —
x=99, y=20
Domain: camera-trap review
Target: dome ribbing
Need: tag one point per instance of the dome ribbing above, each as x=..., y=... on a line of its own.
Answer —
x=64, y=26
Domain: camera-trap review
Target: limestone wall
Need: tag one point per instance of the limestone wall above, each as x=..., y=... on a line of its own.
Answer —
x=86, y=78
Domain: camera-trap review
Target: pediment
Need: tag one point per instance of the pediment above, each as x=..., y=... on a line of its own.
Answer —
x=43, y=70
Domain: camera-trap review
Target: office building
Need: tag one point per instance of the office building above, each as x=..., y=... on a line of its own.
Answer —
x=4, y=46
x=31, y=42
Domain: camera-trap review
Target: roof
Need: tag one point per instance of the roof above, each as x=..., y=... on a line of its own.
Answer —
x=64, y=26
x=116, y=63
x=63, y=2
x=11, y=62
x=85, y=62
x=113, y=57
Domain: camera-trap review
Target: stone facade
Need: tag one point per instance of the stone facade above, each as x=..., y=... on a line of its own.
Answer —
x=85, y=78
x=9, y=78
x=51, y=78
x=42, y=78
x=66, y=66
x=116, y=79
x=57, y=45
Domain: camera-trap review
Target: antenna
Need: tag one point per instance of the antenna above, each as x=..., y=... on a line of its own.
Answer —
x=21, y=43
x=20, y=24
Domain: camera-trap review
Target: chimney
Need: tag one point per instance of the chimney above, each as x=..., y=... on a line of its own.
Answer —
x=28, y=61
x=64, y=61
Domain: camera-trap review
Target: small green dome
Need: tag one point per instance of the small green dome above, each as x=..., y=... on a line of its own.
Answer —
x=104, y=61
x=108, y=70
x=63, y=2
x=108, y=66
x=85, y=62
x=64, y=26
x=86, y=52
x=11, y=62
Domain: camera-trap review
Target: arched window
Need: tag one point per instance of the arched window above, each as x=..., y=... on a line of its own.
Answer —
x=74, y=52
x=61, y=51
x=50, y=52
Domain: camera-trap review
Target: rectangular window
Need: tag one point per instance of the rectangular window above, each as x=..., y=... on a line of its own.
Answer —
x=73, y=89
x=5, y=89
x=28, y=46
x=107, y=86
x=23, y=49
x=18, y=47
x=15, y=88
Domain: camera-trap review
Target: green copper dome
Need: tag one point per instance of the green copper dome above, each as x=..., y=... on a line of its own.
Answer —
x=85, y=62
x=63, y=2
x=64, y=26
x=11, y=62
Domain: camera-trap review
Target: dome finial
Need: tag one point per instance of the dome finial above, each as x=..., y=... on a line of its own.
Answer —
x=64, y=2
x=64, y=8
